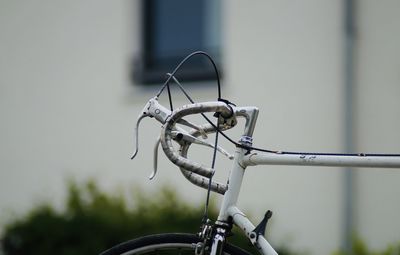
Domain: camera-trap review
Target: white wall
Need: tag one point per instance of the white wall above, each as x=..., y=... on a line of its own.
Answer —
x=378, y=118
x=285, y=57
x=67, y=108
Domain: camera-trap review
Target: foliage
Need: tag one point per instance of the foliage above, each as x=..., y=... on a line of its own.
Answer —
x=360, y=248
x=94, y=221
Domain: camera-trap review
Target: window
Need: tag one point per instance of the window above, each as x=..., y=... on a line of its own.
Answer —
x=173, y=29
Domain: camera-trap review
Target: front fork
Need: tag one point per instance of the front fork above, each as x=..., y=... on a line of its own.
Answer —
x=214, y=238
x=218, y=241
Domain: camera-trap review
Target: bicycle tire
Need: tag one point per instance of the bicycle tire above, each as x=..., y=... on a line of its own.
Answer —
x=171, y=243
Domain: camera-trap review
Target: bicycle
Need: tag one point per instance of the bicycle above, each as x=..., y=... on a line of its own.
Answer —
x=212, y=239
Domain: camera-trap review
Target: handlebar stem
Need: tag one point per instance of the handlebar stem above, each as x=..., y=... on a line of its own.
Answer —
x=250, y=113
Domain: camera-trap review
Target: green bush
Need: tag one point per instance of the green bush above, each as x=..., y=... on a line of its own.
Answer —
x=360, y=248
x=93, y=221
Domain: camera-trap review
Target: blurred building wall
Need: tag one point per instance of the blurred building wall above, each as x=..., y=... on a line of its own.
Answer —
x=68, y=108
x=378, y=119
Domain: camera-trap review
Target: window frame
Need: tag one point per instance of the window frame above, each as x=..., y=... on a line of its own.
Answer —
x=143, y=73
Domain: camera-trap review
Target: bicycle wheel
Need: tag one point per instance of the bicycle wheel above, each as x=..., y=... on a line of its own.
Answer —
x=165, y=244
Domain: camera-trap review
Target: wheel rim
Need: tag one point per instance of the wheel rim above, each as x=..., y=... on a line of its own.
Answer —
x=165, y=249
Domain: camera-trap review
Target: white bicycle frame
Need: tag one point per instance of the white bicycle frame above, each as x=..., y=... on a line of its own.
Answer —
x=243, y=159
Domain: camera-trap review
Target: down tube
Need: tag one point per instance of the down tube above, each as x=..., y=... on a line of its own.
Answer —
x=247, y=227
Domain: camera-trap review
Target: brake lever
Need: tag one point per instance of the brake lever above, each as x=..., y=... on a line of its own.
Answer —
x=137, y=135
x=155, y=159
x=155, y=153
x=151, y=109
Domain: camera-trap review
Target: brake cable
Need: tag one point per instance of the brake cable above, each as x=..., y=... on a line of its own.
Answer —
x=166, y=84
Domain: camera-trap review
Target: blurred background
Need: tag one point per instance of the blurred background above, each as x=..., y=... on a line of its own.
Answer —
x=325, y=74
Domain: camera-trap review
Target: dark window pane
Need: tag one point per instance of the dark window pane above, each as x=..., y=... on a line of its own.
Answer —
x=174, y=29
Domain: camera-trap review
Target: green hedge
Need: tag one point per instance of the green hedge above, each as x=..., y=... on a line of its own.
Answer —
x=361, y=248
x=94, y=221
